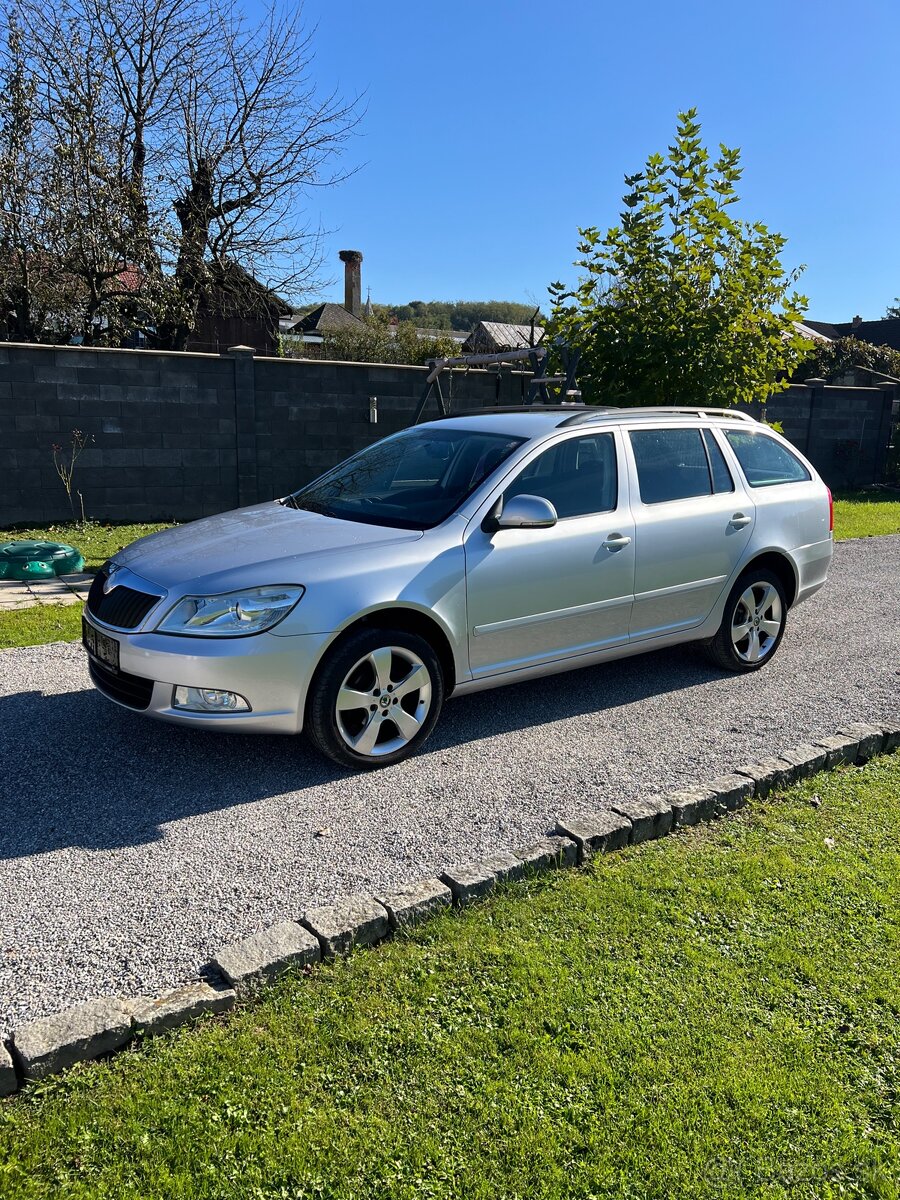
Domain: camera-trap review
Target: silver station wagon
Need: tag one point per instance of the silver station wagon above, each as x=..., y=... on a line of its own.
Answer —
x=469, y=552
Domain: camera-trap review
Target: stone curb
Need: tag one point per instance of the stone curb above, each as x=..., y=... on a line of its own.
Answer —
x=355, y=920
x=415, y=902
x=264, y=955
x=98, y=1027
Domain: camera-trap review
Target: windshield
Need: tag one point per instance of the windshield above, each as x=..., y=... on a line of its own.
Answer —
x=413, y=480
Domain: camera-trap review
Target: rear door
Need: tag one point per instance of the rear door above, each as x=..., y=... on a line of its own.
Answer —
x=536, y=595
x=693, y=521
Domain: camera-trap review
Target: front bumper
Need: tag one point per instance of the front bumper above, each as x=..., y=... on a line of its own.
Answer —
x=271, y=673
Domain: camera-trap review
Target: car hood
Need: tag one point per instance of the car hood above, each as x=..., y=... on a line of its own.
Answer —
x=265, y=543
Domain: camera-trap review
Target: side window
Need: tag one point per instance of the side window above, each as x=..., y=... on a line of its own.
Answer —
x=763, y=460
x=721, y=476
x=577, y=476
x=671, y=464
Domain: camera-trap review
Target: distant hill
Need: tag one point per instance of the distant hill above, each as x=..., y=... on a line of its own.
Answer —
x=460, y=315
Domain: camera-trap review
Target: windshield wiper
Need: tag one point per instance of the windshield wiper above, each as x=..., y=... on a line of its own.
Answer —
x=313, y=506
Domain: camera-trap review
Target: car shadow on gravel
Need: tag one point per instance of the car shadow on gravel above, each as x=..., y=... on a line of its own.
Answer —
x=79, y=771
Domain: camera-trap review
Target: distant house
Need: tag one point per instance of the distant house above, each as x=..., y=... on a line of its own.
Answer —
x=490, y=337
x=879, y=333
x=237, y=310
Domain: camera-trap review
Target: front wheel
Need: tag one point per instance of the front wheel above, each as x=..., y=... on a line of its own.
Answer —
x=752, y=624
x=375, y=698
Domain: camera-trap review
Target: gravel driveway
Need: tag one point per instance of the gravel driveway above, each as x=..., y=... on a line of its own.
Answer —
x=130, y=851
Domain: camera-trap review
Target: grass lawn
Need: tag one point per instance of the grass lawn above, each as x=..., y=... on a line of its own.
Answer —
x=39, y=625
x=96, y=541
x=714, y=1015
x=59, y=622
x=866, y=514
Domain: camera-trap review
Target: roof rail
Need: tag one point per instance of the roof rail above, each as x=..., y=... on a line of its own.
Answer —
x=519, y=408
x=631, y=412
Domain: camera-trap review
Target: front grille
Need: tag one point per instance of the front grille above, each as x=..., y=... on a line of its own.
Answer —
x=129, y=690
x=123, y=607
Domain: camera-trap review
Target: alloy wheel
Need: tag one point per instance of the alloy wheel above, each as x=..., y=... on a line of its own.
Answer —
x=383, y=701
x=757, y=621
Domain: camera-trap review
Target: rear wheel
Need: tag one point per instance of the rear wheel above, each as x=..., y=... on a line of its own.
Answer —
x=752, y=624
x=375, y=698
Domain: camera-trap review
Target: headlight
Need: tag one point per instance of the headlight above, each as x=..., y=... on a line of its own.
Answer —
x=233, y=614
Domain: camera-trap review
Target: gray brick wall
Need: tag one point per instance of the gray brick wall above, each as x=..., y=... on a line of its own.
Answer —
x=185, y=435
x=843, y=431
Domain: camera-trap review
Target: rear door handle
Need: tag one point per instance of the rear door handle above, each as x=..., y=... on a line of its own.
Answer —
x=739, y=520
x=616, y=541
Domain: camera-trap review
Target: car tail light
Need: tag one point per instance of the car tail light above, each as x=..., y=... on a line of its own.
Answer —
x=830, y=511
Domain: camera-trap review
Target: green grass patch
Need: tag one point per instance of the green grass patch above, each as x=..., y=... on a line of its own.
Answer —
x=40, y=624
x=866, y=514
x=96, y=541
x=714, y=1015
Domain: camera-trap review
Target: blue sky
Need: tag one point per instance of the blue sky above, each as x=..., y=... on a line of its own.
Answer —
x=493, y=129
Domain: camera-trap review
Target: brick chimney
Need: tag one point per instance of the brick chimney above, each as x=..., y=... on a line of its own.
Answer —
x=857, y=320
x=352, y=260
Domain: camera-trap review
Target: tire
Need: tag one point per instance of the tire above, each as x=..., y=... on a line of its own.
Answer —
x=397, y=678
x=762, y=623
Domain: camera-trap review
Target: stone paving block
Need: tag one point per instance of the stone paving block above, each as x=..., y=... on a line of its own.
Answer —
x=355, y=920
x=266, y=954
x=650, y=817
x=155, y=1014
x=769, y=775
x=596, y=833
x=415, y=902
x=51, y=1044
x=474, y=880
x=806, y=759
x=839, y=749
x=503, y=865
x=549, y=852
x=891, y=734
x=9, y=1082
x=468, y=883
x=692, y=805
x=732, y=792
x=870, y=738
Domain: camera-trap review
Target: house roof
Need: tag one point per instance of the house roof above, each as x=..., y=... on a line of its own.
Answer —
x=326, y=317
x=499, y=336
x=815, y=330
x=880, y=333
x=233, y=291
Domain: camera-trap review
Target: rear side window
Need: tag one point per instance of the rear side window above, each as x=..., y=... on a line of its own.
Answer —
x=763, y=460
x=671, y=464
x=721, y=476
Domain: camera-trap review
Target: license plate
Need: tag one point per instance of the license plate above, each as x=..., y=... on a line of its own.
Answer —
x=100, y=646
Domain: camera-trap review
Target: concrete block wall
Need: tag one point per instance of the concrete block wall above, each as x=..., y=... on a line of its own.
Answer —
x=186, y=435
x=843, y=431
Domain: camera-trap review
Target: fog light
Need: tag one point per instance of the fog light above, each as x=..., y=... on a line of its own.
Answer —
x=208, y=700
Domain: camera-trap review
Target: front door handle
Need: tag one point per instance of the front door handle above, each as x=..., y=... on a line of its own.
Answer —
x=616, y=541
x=739, y=520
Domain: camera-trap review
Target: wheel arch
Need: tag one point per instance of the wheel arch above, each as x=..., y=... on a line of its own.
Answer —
x=781, y=565
x=410, y=620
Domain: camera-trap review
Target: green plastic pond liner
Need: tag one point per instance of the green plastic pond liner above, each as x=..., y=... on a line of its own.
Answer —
x=27, y=560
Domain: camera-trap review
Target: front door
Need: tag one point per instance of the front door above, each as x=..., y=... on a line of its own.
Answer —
x=535, y=595
x=693, y=522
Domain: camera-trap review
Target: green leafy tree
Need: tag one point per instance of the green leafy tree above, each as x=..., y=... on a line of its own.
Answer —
x=682, y=302
x=832, y=360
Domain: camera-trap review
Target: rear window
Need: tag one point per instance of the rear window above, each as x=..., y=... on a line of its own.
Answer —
x=764, y=461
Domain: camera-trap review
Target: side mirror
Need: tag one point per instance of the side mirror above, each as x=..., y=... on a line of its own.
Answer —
x=521, y=512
